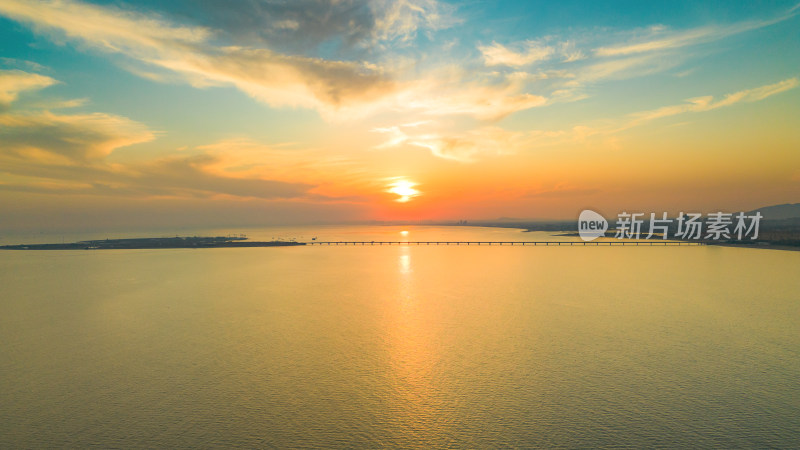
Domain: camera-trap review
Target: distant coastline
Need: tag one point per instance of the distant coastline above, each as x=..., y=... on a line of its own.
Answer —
x=154, y=243
x=745, y=244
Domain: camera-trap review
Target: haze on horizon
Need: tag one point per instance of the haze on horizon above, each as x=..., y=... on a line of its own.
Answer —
x=266, y=112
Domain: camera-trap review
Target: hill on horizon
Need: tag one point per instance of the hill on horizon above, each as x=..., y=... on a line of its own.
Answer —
x=779, y=212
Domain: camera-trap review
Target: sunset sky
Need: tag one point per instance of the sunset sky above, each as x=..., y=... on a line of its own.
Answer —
x=151, y=113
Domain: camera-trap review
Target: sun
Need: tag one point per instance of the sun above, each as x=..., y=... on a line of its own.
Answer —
x=405, y=189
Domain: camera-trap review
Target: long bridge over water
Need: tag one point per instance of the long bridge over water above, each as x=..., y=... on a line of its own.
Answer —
x=523, y=243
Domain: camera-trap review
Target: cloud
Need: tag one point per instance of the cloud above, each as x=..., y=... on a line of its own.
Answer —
x=626, y=54
x=332, y=87
x=173, y=176
x=707, y=103
x=287, y=24
x=492, y=141
x=345, y=90
x=624, y=68
x=400, y=19
x=499, y=55
x=242, y=157
x=612, y=55
x=339, y=90
x=574, y=56
x=160, y=49
x=186, y=176
x=306, y=25
x=603, y=134
x=67, y=154
x=163, y=50
x=14, y=82
x=465, y=147
x=110, y=28
x=82, y=137
x=194, y=175
x=660, y=38
x=480, y=99
x=41, y=134
x=21, y=64
x=676, y=40
x=274, y=78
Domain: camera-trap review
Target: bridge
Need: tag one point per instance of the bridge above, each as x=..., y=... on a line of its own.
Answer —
x=512, y=243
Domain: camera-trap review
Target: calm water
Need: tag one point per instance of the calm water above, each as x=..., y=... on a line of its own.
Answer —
x=401, y=346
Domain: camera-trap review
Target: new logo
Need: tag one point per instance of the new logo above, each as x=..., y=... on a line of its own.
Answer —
x=591, y=225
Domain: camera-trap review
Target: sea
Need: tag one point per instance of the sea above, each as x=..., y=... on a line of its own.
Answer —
x=410, y=346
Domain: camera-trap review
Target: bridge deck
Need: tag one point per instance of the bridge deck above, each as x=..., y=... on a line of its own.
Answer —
x=534, y=243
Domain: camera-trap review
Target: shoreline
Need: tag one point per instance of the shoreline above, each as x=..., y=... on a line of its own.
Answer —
x=155, y=243
x=764, y=246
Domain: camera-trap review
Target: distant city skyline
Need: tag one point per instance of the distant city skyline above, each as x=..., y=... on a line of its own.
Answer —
x=149, y=114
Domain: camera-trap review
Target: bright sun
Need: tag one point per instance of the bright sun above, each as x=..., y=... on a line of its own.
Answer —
x=405, y=189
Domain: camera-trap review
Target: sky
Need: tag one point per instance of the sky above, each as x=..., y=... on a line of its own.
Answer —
x=129, y=114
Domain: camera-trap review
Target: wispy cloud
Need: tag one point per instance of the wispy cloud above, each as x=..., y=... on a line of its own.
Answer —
x=400, y=19
x=574, y=56
x=300, y=26
x=67, y=154
x=160, y=49
x=14, y=82
x=660, y=38
x=708, y=103
x=277, y=79
x=472, y=145
x=464, y=147
x=22, y=64
x=187, y=177
x=41, y=134
x=629, y=53
x=76, y=137
x=338, y=89
x=675, y=40
x=606, y=130
x=500, y=55
x=480, y=143
x=111, y=28
x=453, y=95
